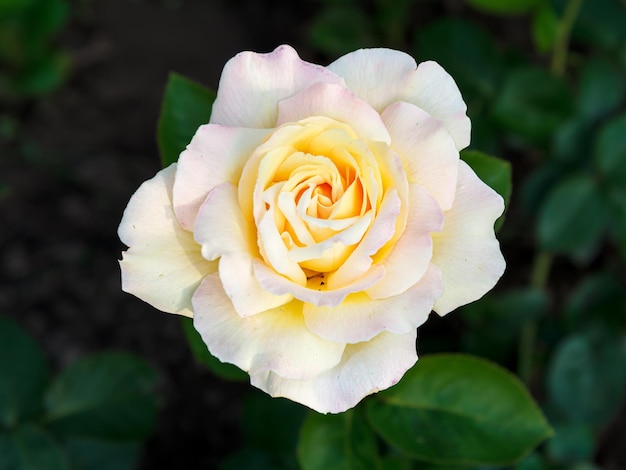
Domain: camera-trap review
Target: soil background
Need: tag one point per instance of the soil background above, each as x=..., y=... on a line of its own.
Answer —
x=81, y=153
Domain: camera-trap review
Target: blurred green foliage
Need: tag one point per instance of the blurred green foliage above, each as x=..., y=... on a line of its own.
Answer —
x=30, y=63
x=94, y=415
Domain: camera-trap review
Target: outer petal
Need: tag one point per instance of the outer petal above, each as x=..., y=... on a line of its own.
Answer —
x=223, y=232
x=252, y=85
x=216, y=154
x=426, y=149
x=384, y=76
x=276, y=340
x=466, y=250
x=163, y=265
x=359, y=318
x=365, y=368
x=411, y=255
x=335, y=102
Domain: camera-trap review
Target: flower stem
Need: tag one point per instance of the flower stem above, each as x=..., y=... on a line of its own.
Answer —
x=561, y=45
x=528, y=335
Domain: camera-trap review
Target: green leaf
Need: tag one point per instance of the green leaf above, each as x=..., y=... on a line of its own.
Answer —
x=533, y=103
x=571, y=143
x=340, y=29
x=572, y=442
x=442, y=40
x=282, y=416
x=599, y=299
x=586, y=377
x=573, y=218
x=108, y=396
x=258, y=459
x=504, y=7
x=337, y=442
x=610, y=150
x=545, y=27
x=44, y=75
x=600, y=23
x=30, y=448
x=90, y=454
x=203, y=356
x=601, y=89
x=495, y=172
x=186, y=106
x=23, y=375
x=459, y=410
x=495, y=321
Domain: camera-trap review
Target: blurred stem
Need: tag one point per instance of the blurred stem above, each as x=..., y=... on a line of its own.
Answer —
x=528, y=335
x=561, y=46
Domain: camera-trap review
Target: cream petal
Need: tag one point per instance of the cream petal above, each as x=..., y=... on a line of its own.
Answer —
x=365, y=368
x=220, y=226
x=274, y=250
x=466, y=250
x=426, y=149
x=216, y=154
x=223, y=232
x=359, y=318
x=382, y=229
x=409, y=258
x=252, y=85
x=163, y=265
x=242, y=287
x=315, y=292
x=384, y=76
x=276, y=340
x=335, y=102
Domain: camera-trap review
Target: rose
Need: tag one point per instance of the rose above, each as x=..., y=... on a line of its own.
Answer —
x=316, y=221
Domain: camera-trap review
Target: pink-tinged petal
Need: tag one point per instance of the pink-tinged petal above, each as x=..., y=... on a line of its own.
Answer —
x=220, y=226
x=426, y=149
x=252, y=85
x=240, y=284
x=163, y=265
x=360, y=261
x=409, y=258
x=359, y=318
x=365, y=368
x=276, y=340
x=335, y=102
x=223, y=232
x=466, y=250
x=383, y=77
x=315, y=291
x=216, y=154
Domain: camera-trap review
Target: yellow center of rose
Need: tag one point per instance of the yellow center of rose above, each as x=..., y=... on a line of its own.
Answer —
x=316, y=188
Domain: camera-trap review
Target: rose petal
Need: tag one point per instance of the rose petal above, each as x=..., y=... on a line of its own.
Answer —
x=220, y=226
x=276, y=340
x=315, y=291
x=466, y=250
x=409, y=258
x=384, y=76
x=223, y=232
x=252, y=85
x=335, y=102
x=426, y=149
x=365, y=368
x=163, y=265
x=216, y=154
x=382, y=229
x=359, y=318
